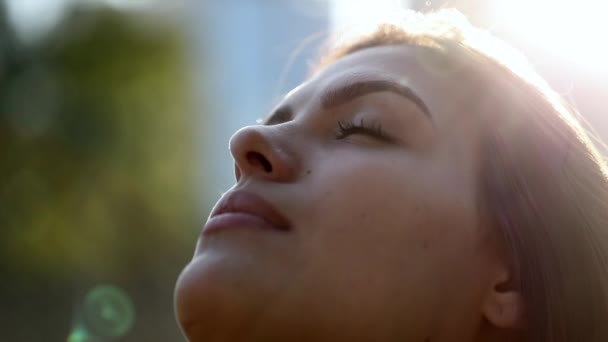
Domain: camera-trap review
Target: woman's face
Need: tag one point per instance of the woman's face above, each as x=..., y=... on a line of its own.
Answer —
x=379, y=239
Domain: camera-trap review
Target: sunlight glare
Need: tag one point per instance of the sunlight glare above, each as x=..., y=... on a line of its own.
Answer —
x=572, y=30
x=350, y=18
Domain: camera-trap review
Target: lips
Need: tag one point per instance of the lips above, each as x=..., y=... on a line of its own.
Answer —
x=242, y=208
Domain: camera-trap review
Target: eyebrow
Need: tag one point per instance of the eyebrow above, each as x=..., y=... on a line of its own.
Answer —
x=349, y=92
x=353, y=90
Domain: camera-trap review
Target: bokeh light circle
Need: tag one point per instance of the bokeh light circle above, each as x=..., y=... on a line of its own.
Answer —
x=108, y=311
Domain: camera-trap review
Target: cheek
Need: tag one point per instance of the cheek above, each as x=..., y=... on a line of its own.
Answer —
x=384, y=236
x=389, y=213
x=371, y=198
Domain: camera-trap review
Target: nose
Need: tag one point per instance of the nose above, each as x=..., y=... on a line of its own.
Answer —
x=258, y=151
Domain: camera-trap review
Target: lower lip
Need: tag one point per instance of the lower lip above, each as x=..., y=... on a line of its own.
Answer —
x=237, y=220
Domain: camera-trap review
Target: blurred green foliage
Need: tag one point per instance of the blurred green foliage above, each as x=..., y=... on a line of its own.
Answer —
x=97, y=142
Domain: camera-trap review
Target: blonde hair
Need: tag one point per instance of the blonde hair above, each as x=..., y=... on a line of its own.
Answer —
x=542, y=182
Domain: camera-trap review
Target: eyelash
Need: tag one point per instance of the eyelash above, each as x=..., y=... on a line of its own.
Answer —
x=373, y=129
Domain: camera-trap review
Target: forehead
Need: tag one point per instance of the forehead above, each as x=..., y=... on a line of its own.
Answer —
x=394, y=59
x=420, y=66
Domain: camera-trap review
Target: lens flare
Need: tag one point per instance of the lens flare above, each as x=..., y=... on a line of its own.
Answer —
x=571, y=30
x=108, y=311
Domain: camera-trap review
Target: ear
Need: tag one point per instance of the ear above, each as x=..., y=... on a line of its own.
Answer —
x=503, y=305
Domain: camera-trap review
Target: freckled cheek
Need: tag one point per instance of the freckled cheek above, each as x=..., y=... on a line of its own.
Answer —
x=372, y=203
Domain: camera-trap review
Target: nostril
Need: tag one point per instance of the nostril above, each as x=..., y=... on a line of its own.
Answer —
x=257, y=159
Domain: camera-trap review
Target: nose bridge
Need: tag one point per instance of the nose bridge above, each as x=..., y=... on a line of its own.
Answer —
x=265, y=152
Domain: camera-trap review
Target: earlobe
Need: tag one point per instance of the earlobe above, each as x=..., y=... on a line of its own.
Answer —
x=503, y=306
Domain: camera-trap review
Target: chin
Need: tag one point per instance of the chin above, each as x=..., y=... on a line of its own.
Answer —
x=193, y=297
x=203, y=296
x=214, y=301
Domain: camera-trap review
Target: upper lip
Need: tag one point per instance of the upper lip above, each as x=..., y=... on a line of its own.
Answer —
x=250, y=203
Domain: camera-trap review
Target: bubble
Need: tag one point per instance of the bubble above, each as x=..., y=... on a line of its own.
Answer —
x=108, y=311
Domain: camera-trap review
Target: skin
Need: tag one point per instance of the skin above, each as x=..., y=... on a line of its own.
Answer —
x=386, y=242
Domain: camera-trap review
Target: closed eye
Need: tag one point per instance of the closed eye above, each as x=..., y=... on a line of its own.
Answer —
x=372, y=129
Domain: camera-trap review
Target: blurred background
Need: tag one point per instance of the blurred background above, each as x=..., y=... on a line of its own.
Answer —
x=115, y=117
